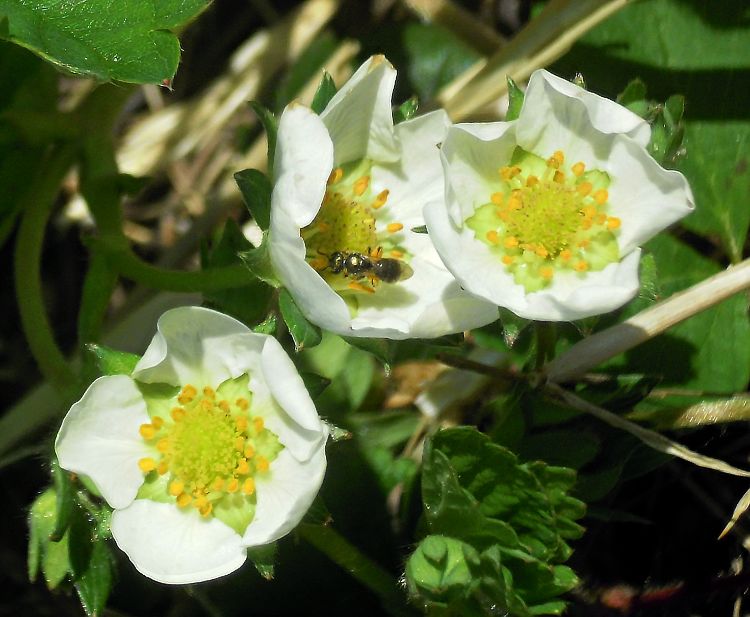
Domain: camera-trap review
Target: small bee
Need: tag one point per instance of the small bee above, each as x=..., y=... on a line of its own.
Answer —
x=359, y=265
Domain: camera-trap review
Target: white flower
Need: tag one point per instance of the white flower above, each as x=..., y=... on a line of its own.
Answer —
x=545, y=214
x=210, y=447
x=349, y=188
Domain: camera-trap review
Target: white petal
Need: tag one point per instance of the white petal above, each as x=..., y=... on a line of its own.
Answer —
x=190, y=346
x=176, y=547
x=471, y=157
x=317, y=301
x=99, y=438
x=284, y=495
x=548, y=93
x=568, y=298
x=302, y=164
x=417, y=177
x=644, y=196
x=359, y=116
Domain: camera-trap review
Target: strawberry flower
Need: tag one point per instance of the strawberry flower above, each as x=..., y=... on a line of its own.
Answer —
x=210, y=447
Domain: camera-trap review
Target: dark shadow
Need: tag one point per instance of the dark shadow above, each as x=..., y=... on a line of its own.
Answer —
x=726, y=14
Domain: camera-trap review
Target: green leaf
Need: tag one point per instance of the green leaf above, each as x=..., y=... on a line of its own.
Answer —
x=52, y=557
x=64, y=502
x=324, y=93
x=515, y=100
x=438, y=570
x=406, y=110
x=113, y=362
x=256, y=193
x=80, y=536
x=271, y=125
x=258, y=261
x=95, y=584
x=383, y=349
x=264, y=559
x=358, y=375
x=304, y=333
x=268, y=325
x=314, y=383
x=127, y=41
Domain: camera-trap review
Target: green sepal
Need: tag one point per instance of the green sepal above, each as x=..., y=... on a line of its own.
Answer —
x=304, y=333
x=406, y=110
x=113, y=362
x=264, y=559
x=325, y=92
x=65, y=501
x=314, y=383
x=268, y=325
x=256, y=188
x=95, y=583
x=258, y=261
x=271, y=125
x=336, y=433
x=384, y=350
x=515, y=100
x=419, y=229
x=51, y=557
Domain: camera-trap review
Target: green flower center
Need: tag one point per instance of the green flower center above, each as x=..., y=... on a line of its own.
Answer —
x=208, y=451
x=346, y=225
x=546, y=217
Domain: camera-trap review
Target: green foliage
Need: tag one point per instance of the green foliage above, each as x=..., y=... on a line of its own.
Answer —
x=110, y=41
x=256, y=193
x=304, y=333
x=264, y=559
x=270, y=125
x=324, y=93
x=506, y=523
x=406, y=110
x=112, y=362
x=515, y=100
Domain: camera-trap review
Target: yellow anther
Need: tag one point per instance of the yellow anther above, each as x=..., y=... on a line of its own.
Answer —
x=505, y=173
x=261, y=464
x=319, y=263
x=394, y=227
x=578, y=169
x=258, y=424
x=502, y=214
x=248, y=486
x=241, y=423
x=206, y=404
x=541, y=251
x=177, y=413
x=217, y=484
x=584, y=243
x=158, y=422
x=162, y=468
x=547, y=272
x=147, y=464
x=396, y=254
x=497, y=198
x=190, y=390
x=233, y=485
x=492, y=236
x=242, y=403
x=243, y=468
x=565, y=254
x=163, y=444
x=381, y=198
x=176, y=487
x=511, y=242
x=600, y=218
x=355, y=286
x=360, y=186
x=559, y=177
x=586, y=224
x=601, y=196
x=515, y=203
x=239, y=444
x=184, y=500
x=224, y=405
x=559, y=156
x=209, y=392
x=581, y=266
x=589, y=211
x=584, y=188
x=532, y=180
x=335, y=175
x=187, y=394
x=249, y=451
x=147, y=431
x=205, y=509
x=613, y=222
x=507, y=259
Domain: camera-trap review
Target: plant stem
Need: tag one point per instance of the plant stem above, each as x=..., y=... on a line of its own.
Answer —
x=367, y=572
x=37, y=206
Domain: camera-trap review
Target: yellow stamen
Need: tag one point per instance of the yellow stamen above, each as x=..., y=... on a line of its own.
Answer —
x=248, y=486
x=158, y=422
x=184, y=500
x=541, y=251
x=249, y=451
x=319, y=263
x=261, y=463
x=209, y=392
x=547, y=272
x=242, y=403
x=205, y=509
x=162, y=445
x=355, y=286
x=233, y=485
x=532, y=180
x=147, y=431
x=147, y=464
x=583, y=243
x=258, y=424
x=396, y=254
x=335, y=176
x=239, y=444
x=360, y=186
x=613, y=222
x=176, y=487
x=600, y=218
x=206, y=404
x=581, y=266
x=584, y=188
x=601, y=196
x=217, y=484
x=187, y=394
x=565, y=254
x=243, y=468
x=492, y=236
x=507, y=259
x=241, y=423
x=394, y=227
x=559, y=177
x=497, y=198
x=380, y=200
x=578, y=169
x=511, y=242
x=224, y=405
x=162, y=468
x=589, y=211
x=177, y=413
